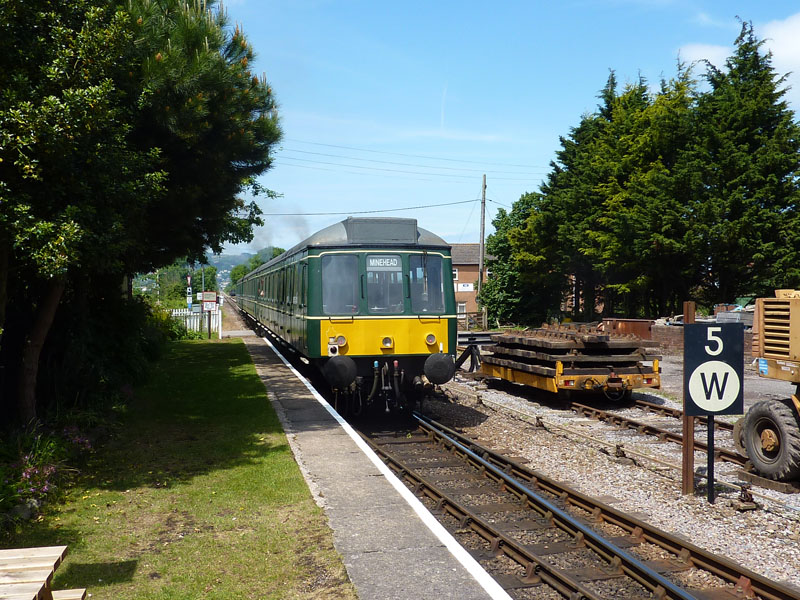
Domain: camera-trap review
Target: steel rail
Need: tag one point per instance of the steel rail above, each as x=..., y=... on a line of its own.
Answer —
x=536, y=569
x=611, y=553
x=677, y=413
x=745, y=580
x=664, y=434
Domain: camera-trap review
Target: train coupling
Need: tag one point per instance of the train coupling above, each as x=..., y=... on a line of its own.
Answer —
x=421, y=382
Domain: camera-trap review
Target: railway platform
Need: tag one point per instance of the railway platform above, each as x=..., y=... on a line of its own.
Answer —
x=390, y=548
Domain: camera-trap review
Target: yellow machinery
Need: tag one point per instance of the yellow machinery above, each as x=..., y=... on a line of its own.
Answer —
x=770, y=431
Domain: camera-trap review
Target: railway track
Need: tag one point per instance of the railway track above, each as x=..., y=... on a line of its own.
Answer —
x=614, y=418
x=542, y=539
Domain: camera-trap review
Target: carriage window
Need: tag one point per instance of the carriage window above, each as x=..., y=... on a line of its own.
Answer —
x=427, y=284
x=384, y=283
x=339, y=284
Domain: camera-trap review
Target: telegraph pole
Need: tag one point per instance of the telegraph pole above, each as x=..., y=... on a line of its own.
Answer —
x=483, y=224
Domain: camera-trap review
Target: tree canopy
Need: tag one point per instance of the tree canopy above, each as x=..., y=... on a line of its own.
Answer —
x=659, y=196
x=128, y=133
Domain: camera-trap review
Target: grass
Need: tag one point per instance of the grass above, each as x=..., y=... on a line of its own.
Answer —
x=196, y=496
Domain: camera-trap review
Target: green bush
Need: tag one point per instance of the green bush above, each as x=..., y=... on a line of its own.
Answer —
x=95, y=354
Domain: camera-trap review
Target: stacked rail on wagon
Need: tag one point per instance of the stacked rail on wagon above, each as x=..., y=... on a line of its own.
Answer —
x=569, y=359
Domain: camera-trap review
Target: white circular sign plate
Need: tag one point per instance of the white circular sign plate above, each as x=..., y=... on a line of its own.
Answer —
x=714, y=386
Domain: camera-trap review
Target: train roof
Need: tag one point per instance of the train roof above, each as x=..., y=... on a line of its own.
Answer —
x=367, y=232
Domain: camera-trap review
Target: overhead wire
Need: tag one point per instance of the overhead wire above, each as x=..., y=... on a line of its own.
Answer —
x=427, y=157
x=356, y=172
x=365, y=212
x=499, y=203
x=466, y=223
x=402, y=164
x=382, y=169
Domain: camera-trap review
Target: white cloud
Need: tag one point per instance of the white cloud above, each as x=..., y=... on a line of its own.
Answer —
x=707, y=20
x=716, y=55
x=781, y=37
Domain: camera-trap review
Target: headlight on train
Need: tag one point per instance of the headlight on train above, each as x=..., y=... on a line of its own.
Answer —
x=337, y=341
x=430, y=339
x=387, y=342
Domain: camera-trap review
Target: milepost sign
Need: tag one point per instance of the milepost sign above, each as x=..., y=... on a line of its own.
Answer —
x=713, y=378
x=713, y=369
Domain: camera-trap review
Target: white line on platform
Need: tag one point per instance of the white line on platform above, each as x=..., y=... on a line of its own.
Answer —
x=470, y=564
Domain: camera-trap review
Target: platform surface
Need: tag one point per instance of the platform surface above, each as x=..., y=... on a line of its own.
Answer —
x=389, y=552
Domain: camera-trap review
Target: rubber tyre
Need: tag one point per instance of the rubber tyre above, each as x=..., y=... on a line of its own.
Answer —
x=784, y=463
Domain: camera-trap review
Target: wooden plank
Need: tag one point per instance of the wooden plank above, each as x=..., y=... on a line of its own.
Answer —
x=41, y=576
x=27, y=591
x=23, y=564
x=566, y=344
x=78, y=594
x=57, y=552
x=572, y=358
x=512, y=364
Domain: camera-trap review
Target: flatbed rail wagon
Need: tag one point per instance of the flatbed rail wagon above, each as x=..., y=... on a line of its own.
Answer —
x=564, y=359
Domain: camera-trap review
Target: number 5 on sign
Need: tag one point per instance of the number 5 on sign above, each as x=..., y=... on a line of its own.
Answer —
x=713, y=368
x=713, y=336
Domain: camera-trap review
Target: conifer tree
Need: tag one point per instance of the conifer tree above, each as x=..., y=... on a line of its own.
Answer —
x=639, y=242
x=745, y=199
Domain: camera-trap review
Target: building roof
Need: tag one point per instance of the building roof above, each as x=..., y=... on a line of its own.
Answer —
x=468, y=254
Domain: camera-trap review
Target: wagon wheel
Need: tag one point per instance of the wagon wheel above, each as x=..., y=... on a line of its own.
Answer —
x=771, y=435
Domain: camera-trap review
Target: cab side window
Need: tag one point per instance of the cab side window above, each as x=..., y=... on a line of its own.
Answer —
x=340, y=284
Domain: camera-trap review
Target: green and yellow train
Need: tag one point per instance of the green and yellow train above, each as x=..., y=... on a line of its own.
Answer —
x=370, y=302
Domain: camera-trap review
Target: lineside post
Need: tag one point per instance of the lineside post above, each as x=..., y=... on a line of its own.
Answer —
x=687, y=462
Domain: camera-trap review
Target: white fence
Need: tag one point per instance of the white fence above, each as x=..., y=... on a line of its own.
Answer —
x=198, y=321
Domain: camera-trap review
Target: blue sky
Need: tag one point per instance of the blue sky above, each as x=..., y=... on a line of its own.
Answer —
x=406, y=105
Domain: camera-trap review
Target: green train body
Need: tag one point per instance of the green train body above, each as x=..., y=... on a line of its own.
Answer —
x=369, y=301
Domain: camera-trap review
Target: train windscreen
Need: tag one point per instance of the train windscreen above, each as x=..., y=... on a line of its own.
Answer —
x=427, y=284
x=339, y=284
x=385, y=283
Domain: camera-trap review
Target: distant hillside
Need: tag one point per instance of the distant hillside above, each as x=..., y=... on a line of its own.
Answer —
x=225, y=262
x=228, y=261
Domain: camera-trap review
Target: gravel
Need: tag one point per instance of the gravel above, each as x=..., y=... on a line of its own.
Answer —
x=580, y=451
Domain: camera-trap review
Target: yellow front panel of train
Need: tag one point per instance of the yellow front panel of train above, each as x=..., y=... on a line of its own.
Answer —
x=392, y=336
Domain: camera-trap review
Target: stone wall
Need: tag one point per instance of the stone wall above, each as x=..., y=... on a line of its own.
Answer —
x=670, y=338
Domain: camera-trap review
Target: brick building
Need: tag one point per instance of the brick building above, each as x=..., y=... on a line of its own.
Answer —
x=466, y=261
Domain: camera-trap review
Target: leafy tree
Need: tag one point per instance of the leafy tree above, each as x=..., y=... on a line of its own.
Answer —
x=505, y=294
x=213, y=121
x=237, y=273
x=658, y=197
x=127, y=132
x=70, y=178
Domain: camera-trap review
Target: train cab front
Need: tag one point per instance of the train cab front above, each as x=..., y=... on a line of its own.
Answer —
x=388, y=365
x=387, y=332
